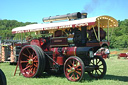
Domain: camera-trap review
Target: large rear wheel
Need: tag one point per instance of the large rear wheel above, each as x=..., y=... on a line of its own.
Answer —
x=74, y=69
x=100, y=67
x=31, y=61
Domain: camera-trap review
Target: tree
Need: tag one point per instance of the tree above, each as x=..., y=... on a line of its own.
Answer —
x=120, y=36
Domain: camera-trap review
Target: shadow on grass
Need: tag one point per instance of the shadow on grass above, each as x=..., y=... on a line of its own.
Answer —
x=89, y=79
x=46, y=75
x=114, y=77
x=86, y=77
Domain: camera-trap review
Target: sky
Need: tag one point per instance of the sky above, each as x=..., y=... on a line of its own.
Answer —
x=35, y=10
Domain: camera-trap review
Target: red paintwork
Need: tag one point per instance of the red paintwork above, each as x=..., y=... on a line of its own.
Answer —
x=103, y=55
x=123, y=55
x=39, y=42
x=66, y=51
x=35, y=42
x=92, y=44
x=102, y=43
x=59, y=41
x=21, y=44
x=60, y=60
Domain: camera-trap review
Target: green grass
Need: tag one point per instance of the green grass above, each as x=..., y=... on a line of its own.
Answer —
x=117, y=74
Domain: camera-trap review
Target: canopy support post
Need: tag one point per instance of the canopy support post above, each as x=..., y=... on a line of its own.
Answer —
x=108, y=31
x=99, y=30
x=111, y=33
x=21, y=37
x=95, y=32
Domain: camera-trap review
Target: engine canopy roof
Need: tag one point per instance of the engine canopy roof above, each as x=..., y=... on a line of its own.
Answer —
x=103, y=21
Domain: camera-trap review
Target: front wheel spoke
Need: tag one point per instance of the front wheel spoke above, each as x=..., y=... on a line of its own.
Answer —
x=69, y=73
x=69, y=66
x=74, y=75
x=68, y=69
x=79, y=69
x=77, y=66
x=73, y=63
x=71, y=76
x=78, y=73
x=78, y=77
x=70, y=62
x=35, y=61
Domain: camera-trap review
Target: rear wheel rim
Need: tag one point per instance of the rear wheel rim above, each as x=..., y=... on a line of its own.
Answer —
x=74, y=69
x=28, y=62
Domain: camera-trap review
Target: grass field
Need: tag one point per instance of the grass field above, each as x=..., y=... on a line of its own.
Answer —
x=117, y=74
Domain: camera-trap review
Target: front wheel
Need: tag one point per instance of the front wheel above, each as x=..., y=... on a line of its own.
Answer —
x=100, y=67
x=74, y=69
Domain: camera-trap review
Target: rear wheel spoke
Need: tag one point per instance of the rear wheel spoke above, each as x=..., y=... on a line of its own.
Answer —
x=26, y=68
x=26, y=55
x=36, y=65
x=35, y=57
x=23, y=61
x=29, y=52
x=35, y=61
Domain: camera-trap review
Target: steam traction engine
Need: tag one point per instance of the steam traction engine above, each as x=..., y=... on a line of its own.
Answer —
x=66, y=51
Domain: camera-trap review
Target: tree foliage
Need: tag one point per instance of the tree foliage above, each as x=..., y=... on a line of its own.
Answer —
x=119, y=38
x=6, y=27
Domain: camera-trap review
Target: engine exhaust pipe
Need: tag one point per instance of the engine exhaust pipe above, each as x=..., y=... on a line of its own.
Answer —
x=69, y=16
